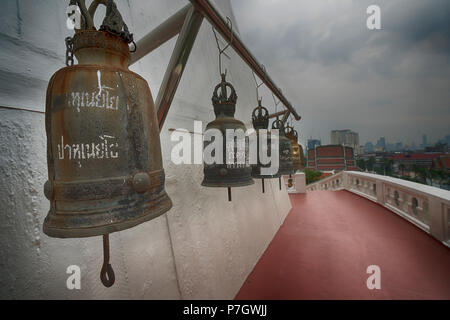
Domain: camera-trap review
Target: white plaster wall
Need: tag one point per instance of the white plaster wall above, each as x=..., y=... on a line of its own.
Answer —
x=203, y=248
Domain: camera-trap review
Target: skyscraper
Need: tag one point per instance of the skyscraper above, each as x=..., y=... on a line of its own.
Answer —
x=424, y=141
x=381, y=143
x=312, y=143
x=345, y=138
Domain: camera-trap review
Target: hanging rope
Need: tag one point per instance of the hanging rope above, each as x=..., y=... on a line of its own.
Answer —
x=222, y=51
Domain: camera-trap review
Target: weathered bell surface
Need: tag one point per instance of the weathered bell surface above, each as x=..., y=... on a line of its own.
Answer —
x=234, y=173
x=103, y=149
x=297, y=150
x=260, y=119
x=286, y=167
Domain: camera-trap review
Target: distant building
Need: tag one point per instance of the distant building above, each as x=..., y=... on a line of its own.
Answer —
x=425, y=160
x=445, y=140
x=345, y=138
x=443, y=162
x=424, y=141
x=438, y=147
x=368, y=147
x=381, y=144
x=331, y=157
x=359, y=150
x=312, y=143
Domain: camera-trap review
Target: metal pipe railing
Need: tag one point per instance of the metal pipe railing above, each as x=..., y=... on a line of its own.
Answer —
x=186, y=22
x=161, y=34
x=177, y=63
x=219, y=23
x=278, y=114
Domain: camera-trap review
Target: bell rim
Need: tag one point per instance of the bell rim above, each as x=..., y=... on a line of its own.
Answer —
x=228, y=185
x=275, y=176
x=164, y=205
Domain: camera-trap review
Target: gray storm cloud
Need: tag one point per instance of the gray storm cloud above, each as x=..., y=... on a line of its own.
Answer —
x=393, y=82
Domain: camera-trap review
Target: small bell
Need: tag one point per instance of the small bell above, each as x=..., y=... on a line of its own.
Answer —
x=231, y=172
x=297, y=150
x=290, y=182
x=260, y=119
x=286, y=167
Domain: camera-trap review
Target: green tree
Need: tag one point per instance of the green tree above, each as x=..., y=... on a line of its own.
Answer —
x=361, y=163
x=439, y=175
x=420, y=173
x=370, y=163
x=387, y=166
x=402, y=168
x=312, y=175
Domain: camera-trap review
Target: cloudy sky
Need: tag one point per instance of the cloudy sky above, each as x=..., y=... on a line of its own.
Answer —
x=393, y=82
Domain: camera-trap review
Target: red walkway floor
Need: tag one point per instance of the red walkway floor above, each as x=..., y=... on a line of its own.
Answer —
x=327, y=242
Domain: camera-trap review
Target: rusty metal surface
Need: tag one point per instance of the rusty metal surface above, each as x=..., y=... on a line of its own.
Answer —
x=226, y=175
x=103, y=149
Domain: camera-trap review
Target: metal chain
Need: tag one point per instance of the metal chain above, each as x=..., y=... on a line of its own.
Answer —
x=69, y=51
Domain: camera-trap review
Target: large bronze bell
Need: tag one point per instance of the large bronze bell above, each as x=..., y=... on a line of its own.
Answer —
x=103, y=149
x=231, y=174
x=260, y=120
x=297, y=150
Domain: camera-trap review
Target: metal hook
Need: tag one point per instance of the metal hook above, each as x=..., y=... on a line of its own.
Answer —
x=222, y=51
x=107, y=273
x=256, y=83
x=275, y=102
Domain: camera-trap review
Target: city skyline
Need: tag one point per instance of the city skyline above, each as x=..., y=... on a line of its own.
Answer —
x=417, y=143
x=338, y=74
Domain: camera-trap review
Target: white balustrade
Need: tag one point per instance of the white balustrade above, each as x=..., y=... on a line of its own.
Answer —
x=425, y=206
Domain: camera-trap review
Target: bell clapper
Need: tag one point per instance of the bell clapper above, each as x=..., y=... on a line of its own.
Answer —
x=279, y=181
x=107, y=273
x=262, y=185
x=229, y=194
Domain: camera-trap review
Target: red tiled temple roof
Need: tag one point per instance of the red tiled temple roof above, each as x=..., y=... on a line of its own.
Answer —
x=446, y=162
x=331, y=166
x=329, y=151
x=330, y=160
x=348, y=153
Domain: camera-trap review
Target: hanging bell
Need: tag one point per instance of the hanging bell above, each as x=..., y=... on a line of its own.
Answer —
x=260, y=120
x=286, y=167
x=229, y=172
x=103, y=149
x=297, y=150
x=290, y=182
